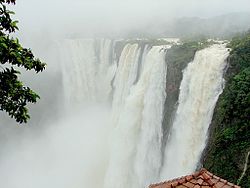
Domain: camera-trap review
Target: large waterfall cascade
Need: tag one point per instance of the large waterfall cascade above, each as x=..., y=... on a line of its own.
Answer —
x=200, y=88
x=136, y=81
x=111, y=131
x=138, y=129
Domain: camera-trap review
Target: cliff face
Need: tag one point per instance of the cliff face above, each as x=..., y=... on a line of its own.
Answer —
x=229, y=143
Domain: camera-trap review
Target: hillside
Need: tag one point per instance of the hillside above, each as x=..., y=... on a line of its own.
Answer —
x=229, y=144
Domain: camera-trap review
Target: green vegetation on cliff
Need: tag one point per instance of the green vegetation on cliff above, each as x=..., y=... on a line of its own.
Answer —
x=229, y=142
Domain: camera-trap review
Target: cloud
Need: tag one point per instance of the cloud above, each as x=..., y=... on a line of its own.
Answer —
x=114, y=16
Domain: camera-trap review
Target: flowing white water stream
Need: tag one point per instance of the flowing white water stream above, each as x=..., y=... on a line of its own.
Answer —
x=200, y=88
x=86, y=78
x=135, y=156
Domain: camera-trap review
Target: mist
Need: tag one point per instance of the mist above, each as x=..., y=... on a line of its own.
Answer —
x=66, y=154
x=114, y=17
x=69, y=146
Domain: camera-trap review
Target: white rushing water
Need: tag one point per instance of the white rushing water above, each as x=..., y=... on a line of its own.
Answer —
x=110, y=130
x=137, y=86
x=200, y=88
x=87, y=73
x=135, y=156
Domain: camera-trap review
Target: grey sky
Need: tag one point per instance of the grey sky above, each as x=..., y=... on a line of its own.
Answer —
x=115, y=15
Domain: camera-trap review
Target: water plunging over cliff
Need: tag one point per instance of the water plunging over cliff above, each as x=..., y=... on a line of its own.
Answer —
x=110, y=130
x=200, y=88
x=135, y=83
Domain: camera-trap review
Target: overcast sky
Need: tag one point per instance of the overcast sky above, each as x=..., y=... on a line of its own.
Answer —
x=115, y=15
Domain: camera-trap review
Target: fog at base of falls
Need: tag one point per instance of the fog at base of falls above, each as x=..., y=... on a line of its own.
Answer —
x=78, y=148
x=108, y=132
x=71, y=149
x=66, y=155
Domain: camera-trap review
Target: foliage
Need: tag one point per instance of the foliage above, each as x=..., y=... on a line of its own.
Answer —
x=14, y=96
x=230, y=138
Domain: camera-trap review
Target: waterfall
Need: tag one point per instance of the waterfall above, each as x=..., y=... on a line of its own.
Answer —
x=87, y=69
x=200, y=88
x=110, y=130
x=136, y=81
x=135, y=157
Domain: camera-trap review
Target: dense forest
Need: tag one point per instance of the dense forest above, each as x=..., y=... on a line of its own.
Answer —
x=229, y=145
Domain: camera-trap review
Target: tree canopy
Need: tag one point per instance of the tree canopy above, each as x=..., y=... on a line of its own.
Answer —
x=14, y=95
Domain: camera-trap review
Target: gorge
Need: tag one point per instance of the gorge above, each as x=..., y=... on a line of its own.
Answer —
x=114, y=128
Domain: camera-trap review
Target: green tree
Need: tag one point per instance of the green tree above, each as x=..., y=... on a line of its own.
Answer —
x=14, y=96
